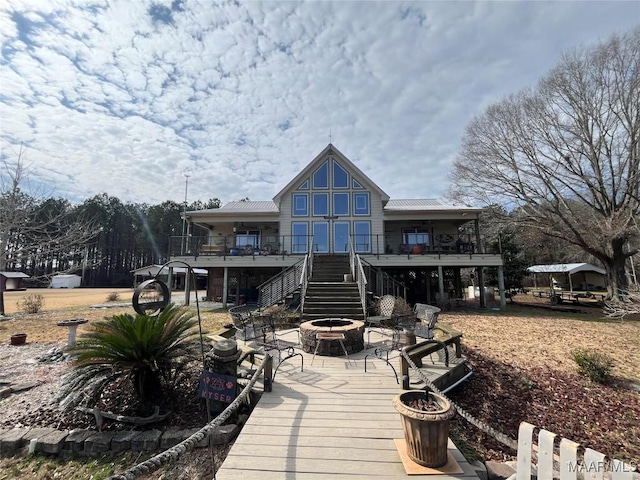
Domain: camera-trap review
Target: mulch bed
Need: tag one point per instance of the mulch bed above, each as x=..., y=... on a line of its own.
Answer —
x=602, y=417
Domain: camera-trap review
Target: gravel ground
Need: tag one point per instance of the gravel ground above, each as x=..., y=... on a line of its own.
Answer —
x=19, y=365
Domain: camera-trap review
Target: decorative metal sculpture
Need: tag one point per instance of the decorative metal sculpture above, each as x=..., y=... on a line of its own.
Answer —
x=151, y=297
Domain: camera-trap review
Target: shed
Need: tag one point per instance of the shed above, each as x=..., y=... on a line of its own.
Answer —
x=157, y=271
x=572, y=276
x=65, y=281
x=11, y=281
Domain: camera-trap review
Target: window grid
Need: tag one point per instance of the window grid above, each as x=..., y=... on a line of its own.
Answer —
x=321, y=177
x=299, y=237
x=341, y=204
x=300, y=205
x=320, y=204
x=361, y=204
x=340, y=176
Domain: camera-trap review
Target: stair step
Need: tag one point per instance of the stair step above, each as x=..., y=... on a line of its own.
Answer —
x=328, y=295
x=333, y=286
x=320, y=306
x=307, y=317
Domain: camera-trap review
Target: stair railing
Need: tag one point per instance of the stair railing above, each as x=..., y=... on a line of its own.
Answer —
x=305, y=275
x=381, y=283
x=357, y=272
x=278, y=287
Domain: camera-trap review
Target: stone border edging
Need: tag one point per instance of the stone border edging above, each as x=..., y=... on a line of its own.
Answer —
x=91, y=443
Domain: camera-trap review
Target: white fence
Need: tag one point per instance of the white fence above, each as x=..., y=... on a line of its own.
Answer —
x=565, y=460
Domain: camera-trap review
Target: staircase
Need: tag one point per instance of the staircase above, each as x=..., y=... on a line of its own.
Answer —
x=328, y=295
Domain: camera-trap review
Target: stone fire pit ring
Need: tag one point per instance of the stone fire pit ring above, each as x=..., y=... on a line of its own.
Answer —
x=353, y=331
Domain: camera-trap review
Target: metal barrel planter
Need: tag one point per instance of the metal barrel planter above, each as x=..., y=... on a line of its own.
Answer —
x=426, y=432
x=18, y=339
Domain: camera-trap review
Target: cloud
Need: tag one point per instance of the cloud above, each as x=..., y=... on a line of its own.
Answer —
x=128, y=97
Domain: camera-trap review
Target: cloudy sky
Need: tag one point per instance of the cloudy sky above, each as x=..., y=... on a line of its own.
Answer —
x=128, y=97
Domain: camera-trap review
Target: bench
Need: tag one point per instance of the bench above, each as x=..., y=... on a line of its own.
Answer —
x=449, y=353
x=570, y=460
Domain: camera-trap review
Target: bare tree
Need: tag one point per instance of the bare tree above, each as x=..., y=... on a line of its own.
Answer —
x=565, y=154
x=30, y=227
x=627, y=305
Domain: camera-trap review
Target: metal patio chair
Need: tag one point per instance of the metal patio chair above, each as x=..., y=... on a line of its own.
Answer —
x=249, y=327
x=385, y=306
x=428, y=317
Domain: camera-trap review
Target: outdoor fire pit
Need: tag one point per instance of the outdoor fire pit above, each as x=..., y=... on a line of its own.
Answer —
x=353, y=331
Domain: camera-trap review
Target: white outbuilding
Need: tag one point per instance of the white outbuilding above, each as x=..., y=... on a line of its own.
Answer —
x=65, y=281
x=572, y=276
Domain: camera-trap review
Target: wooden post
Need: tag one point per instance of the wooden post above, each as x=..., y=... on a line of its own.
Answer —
x=268, y=374
x=404, y=371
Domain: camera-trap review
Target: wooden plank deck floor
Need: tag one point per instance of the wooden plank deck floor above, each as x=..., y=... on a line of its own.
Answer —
x=331, y=421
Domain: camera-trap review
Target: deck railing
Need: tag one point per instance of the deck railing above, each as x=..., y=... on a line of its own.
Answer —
x=300, y=245
x=236, y=245
x=381, y=283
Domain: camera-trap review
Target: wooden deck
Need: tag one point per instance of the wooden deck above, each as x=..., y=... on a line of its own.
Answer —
x=331, y=421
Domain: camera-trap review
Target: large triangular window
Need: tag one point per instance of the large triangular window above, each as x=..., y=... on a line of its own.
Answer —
x=340, y=176
x=321, y=177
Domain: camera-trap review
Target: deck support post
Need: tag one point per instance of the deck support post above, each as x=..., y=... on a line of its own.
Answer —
x=225, y=286
x=483, y=297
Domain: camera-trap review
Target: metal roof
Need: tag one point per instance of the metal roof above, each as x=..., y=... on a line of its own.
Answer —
x=569, y=268
x=265, y=206
x=257, y=206
x=415, y=204
x=154, y=269
x=14, y=275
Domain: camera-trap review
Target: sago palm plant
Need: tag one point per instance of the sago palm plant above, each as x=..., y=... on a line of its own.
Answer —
x=147, y=350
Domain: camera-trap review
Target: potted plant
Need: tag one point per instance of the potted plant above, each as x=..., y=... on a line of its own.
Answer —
x=425, y=421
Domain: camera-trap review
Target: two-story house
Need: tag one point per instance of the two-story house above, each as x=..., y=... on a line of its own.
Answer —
x=331, y=208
